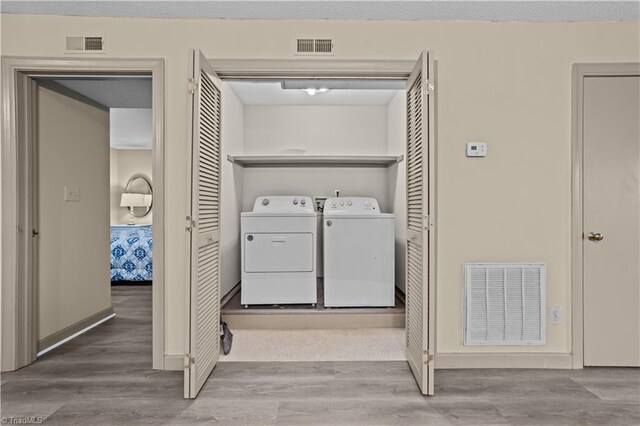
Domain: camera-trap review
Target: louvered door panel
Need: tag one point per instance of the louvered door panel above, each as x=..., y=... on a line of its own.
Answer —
x=414, y=310
x=204, y=298
x=420, y=237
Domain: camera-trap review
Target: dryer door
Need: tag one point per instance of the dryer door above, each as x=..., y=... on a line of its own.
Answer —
x=278, y=252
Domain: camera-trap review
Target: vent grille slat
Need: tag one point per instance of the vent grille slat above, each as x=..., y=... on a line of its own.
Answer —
x=505, y=304
x=310, y=46
x=92, y=44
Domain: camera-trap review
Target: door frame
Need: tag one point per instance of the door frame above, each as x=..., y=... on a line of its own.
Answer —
x=400, y=69
x=579, y=73
x=19, y=330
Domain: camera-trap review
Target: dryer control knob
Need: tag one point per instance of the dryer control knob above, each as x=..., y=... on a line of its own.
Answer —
x=349, y=203
x=295, y=201
x=265, y=201
x=342, y=203
x=303, y=202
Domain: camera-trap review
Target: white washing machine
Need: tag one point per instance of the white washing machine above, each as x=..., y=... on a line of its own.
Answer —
x=279, y=251
x=359, y=247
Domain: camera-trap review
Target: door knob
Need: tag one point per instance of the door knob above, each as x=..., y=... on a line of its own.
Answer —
x=595, y=236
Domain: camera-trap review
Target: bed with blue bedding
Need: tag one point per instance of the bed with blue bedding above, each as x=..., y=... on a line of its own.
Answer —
x=131, y=253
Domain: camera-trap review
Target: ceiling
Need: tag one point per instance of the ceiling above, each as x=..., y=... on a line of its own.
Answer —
x=130, y=128
x=254, y=93
x=426, y=10
x=129, y=103
x=113, y=92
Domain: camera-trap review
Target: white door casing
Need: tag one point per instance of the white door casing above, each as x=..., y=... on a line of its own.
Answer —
x=203, y=226
x=420, y=279
x=19, y=293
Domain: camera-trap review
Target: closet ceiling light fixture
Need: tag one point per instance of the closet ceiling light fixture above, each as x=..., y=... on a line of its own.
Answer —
x=312, y=91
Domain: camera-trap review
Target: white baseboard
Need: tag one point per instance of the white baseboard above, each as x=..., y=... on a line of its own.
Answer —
x=462, y=360
x=69, y=331
x=174, y=362
x=503, y=360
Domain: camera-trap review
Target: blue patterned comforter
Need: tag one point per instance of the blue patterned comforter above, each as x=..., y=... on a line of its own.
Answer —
x=131, y=248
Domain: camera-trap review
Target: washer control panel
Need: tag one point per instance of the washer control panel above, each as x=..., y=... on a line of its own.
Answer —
x=356, y=205
x=283, y=203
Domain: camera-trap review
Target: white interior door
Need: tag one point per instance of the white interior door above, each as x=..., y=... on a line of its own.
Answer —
x=420, y=298
x=611, y=245
x=203, y=225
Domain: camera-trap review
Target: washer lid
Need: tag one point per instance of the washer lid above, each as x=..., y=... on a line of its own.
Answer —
x=343, y=215
x=279, y=214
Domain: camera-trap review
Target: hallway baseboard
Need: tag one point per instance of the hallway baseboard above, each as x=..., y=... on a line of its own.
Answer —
x=503, y=360
x=66, y=332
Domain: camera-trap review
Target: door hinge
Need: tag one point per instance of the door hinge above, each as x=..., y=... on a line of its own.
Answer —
x=191, y=224
x=430, y=87
x=193, y=86
x=189, y=361
x=428, y=357
x=428, y=222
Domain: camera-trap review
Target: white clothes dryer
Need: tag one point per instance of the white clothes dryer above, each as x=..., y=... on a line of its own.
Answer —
x=279, y=251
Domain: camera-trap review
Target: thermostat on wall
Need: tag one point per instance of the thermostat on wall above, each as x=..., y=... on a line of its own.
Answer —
x=476, y=149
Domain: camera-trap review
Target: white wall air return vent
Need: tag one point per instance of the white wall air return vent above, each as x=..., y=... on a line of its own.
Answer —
x=314, y=46
x=505, y=304
x=93, y=44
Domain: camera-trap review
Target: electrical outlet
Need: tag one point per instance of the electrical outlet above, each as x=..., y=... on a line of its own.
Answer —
x=555, y=315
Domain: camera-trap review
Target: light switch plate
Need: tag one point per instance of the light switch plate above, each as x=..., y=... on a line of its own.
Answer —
x=555, y=315
x=71, y=193
x=476, y=149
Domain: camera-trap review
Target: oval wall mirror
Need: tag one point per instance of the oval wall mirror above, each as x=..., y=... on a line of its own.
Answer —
x=139, y=183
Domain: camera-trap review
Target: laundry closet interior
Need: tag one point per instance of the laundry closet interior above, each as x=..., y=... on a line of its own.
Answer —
x=296, y=143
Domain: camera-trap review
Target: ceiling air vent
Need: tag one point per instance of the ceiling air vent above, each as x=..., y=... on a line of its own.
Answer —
x=314, y=46
x=94, y=44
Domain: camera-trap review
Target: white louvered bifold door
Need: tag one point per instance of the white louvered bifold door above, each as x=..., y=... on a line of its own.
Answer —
x=420, y=280
x=203, y=226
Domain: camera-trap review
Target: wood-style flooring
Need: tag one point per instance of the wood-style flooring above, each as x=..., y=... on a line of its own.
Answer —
x=104, y=377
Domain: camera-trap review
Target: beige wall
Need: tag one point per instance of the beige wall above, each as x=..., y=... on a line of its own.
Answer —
x=505, y=83
x=127, y=163
x=74, y=235
x=114, y=187
x=321, y=130
x=397, y=180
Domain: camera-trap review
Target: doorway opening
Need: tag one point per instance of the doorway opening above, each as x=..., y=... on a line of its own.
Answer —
x=294, y=119
x=90, y=190
x=95, y=172
x=277, y=167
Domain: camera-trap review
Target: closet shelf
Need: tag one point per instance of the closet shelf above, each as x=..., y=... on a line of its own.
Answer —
x=315, y=160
